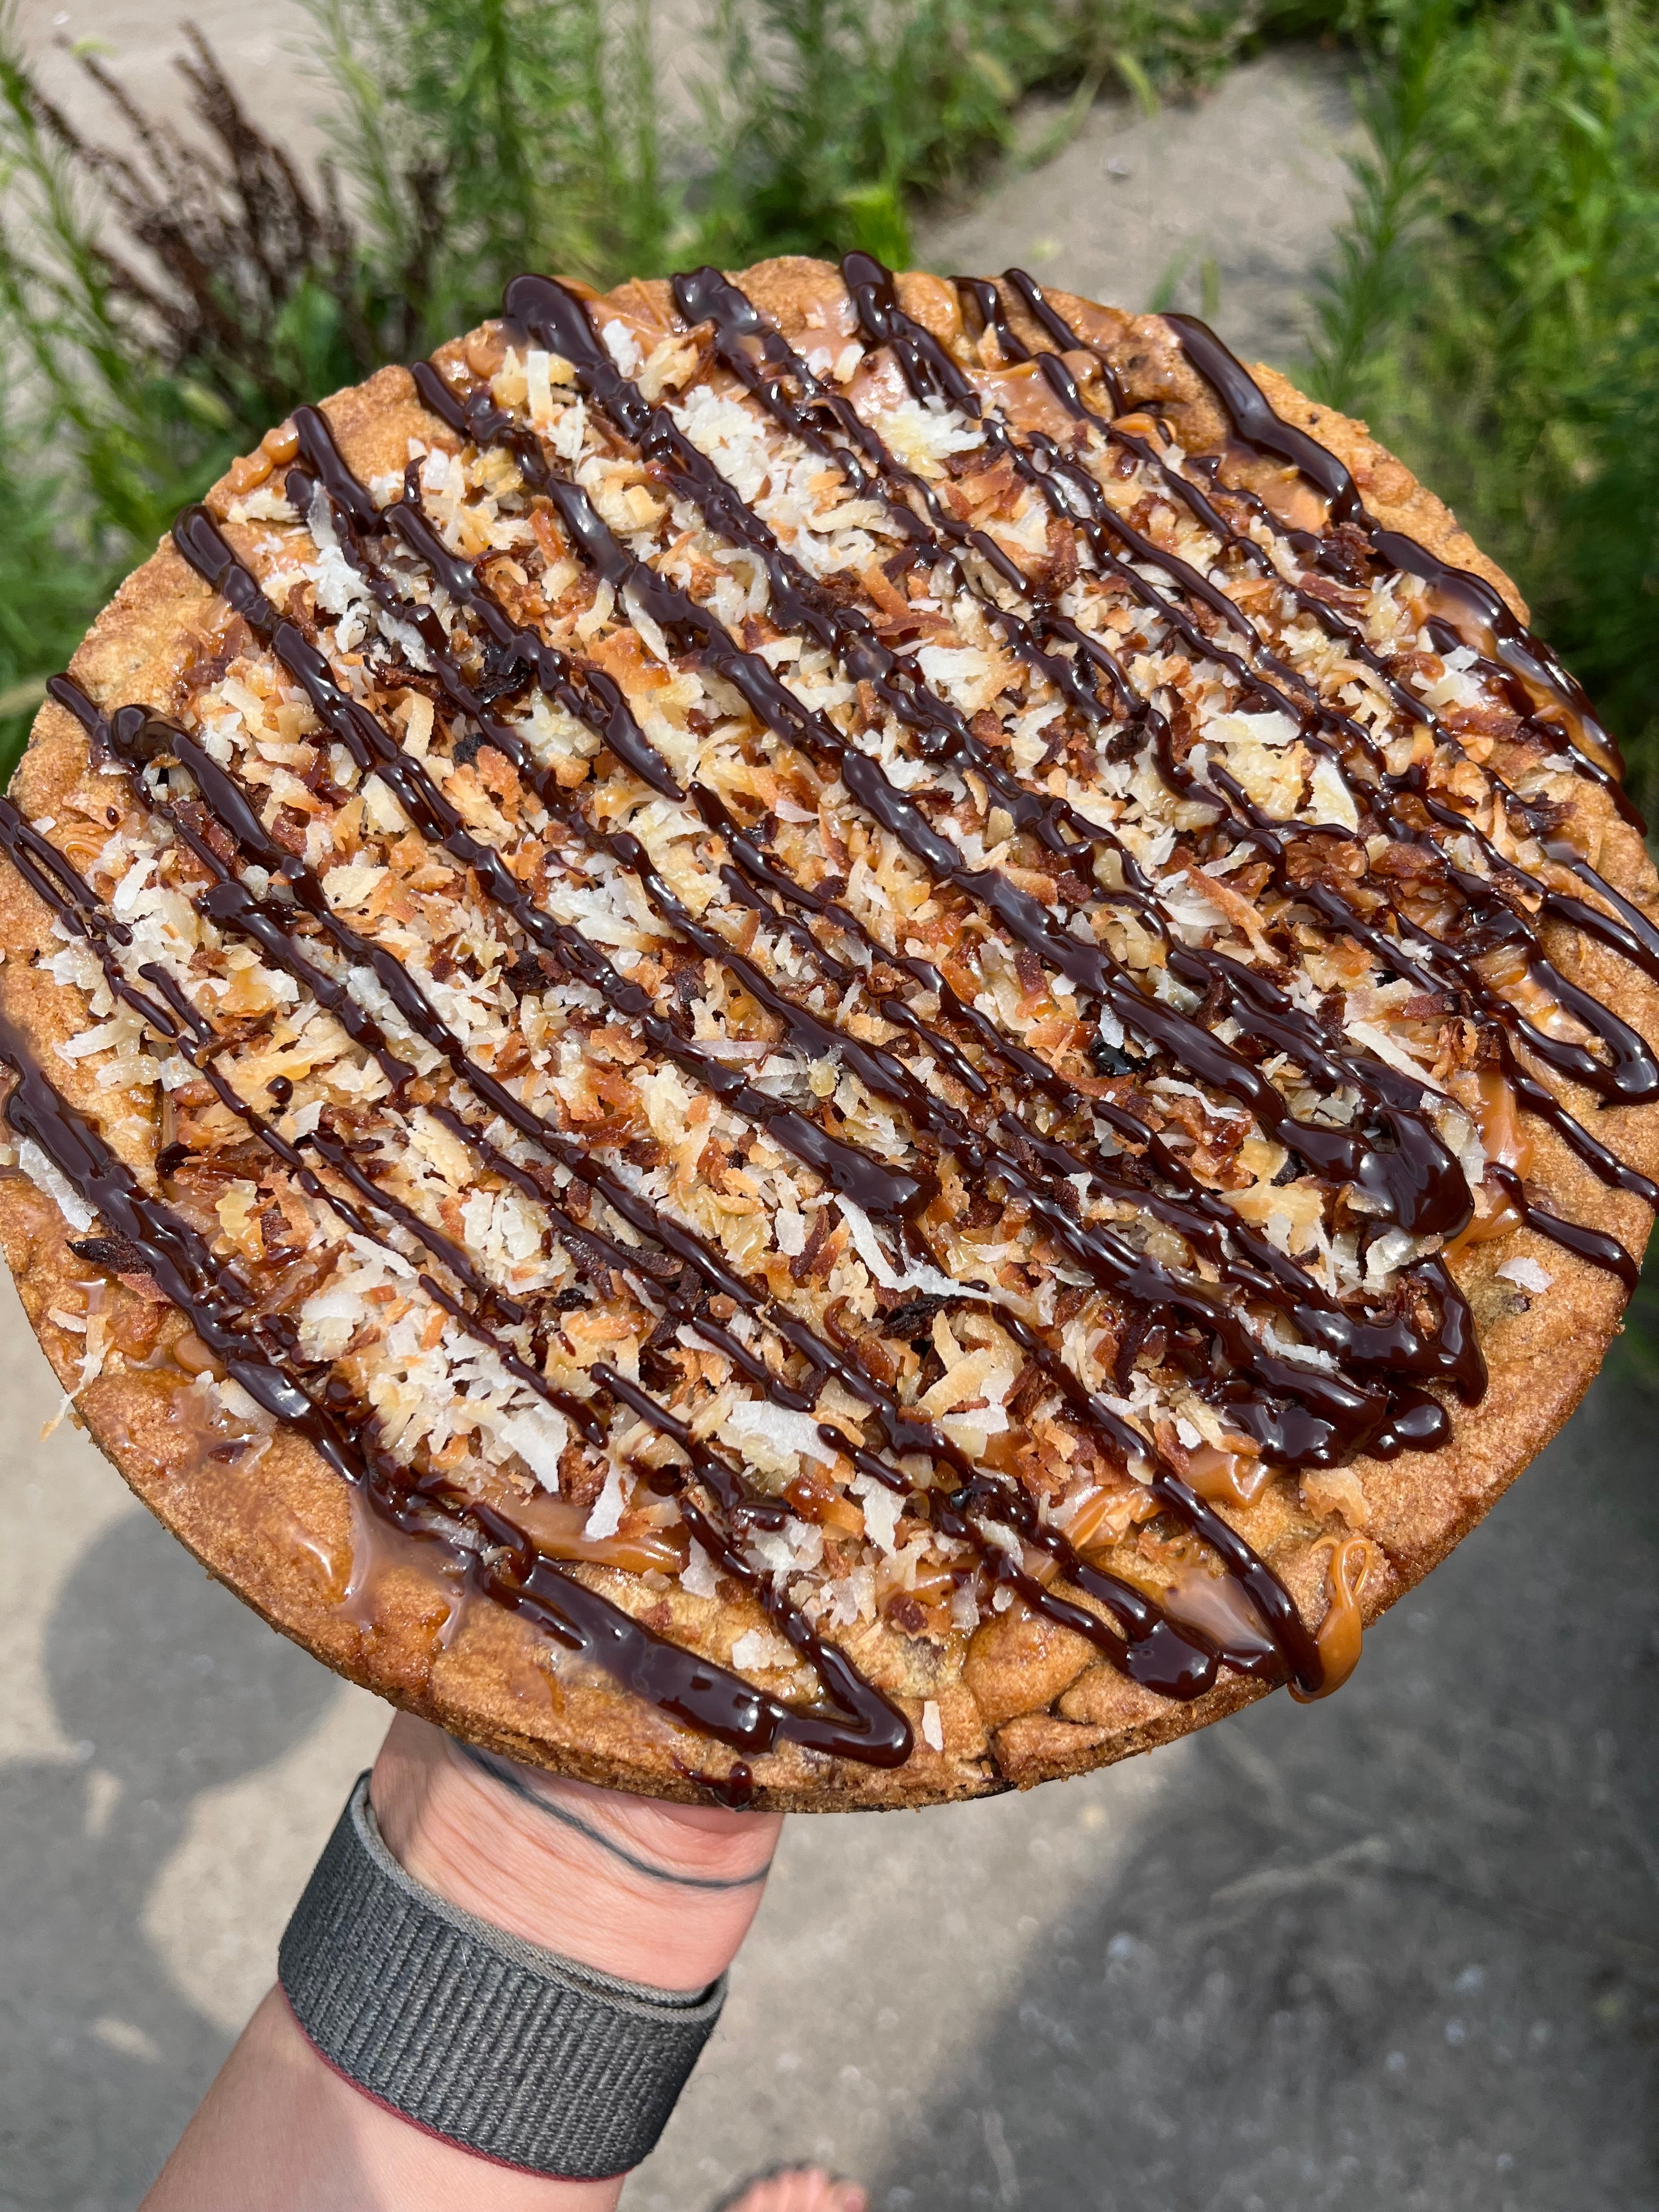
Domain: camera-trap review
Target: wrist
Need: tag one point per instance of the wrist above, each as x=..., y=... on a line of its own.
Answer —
x=649, y=1891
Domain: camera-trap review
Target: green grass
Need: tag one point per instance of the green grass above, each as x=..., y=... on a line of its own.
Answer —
x=1495, y=311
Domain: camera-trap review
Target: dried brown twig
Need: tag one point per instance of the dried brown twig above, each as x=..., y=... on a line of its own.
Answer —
x=229, y=233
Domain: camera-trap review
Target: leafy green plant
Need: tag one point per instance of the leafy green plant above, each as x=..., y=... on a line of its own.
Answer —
x=1393, y=197
x=162, y=299
x=828, y=116
x=825, y=110
x=53, y=570
x=1495, y=309
x=489, y=136
x=98, y=444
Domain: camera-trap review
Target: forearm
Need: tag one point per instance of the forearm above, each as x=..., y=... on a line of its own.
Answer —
x=653, y=1893
x=279, y=2131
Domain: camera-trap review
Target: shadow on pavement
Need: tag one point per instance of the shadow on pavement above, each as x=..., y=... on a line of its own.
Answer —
x=1400, y=1950
x=168, y=1687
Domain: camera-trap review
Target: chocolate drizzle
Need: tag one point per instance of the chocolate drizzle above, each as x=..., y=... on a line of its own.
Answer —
x=1468, y=597
x=1148, y=1654
x=1032, y=1169
x=1368, y=1390
x=1629, y=1072
x=867, y=1727
x=501, y=1561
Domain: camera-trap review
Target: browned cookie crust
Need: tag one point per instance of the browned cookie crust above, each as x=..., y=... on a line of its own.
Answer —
x=1171, y=703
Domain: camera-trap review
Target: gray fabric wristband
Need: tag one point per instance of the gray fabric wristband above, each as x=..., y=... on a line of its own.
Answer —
x=476, y=2035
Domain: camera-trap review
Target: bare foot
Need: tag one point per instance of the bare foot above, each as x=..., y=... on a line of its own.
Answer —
x=803, y=2189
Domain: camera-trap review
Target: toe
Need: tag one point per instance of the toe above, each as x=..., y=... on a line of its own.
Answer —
x=802, y=2189
x=760, y=2196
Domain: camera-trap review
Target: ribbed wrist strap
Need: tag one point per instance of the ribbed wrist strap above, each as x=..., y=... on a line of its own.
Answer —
x=474, y=2034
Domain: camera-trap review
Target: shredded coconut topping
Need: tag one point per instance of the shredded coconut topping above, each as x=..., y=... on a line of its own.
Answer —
x=691, y=1113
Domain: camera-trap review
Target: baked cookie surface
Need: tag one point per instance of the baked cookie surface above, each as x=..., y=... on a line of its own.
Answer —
x=849, y=1039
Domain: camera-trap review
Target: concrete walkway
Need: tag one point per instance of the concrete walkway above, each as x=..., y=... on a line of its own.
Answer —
x=262, y=52
x=1225, y=207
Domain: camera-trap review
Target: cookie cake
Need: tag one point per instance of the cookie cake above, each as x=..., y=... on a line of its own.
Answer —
x=835, y=1037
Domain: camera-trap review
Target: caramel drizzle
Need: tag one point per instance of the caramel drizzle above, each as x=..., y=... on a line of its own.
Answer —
x=498, y=1560
x=230, y=904
x=1517, y=650
x=715, y=494
x=557, y=317
x=1417, y=1181
x=1526, y=667
x=1130, y=1271
x=1632, y=1075
x=1147, y=1657
x=1156, y=1653
x=1343, y=1415
x=1149, y=1654
x=1029, y=1165
x=1627, y=930
x=202, y=544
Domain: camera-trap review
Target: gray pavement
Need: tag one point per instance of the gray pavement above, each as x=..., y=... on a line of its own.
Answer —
x=1397, y=1951
x=1224, y=206
x=263, y=51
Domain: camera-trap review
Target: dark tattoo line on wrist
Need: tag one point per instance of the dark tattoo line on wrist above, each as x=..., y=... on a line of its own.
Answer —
x=500, y=1772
